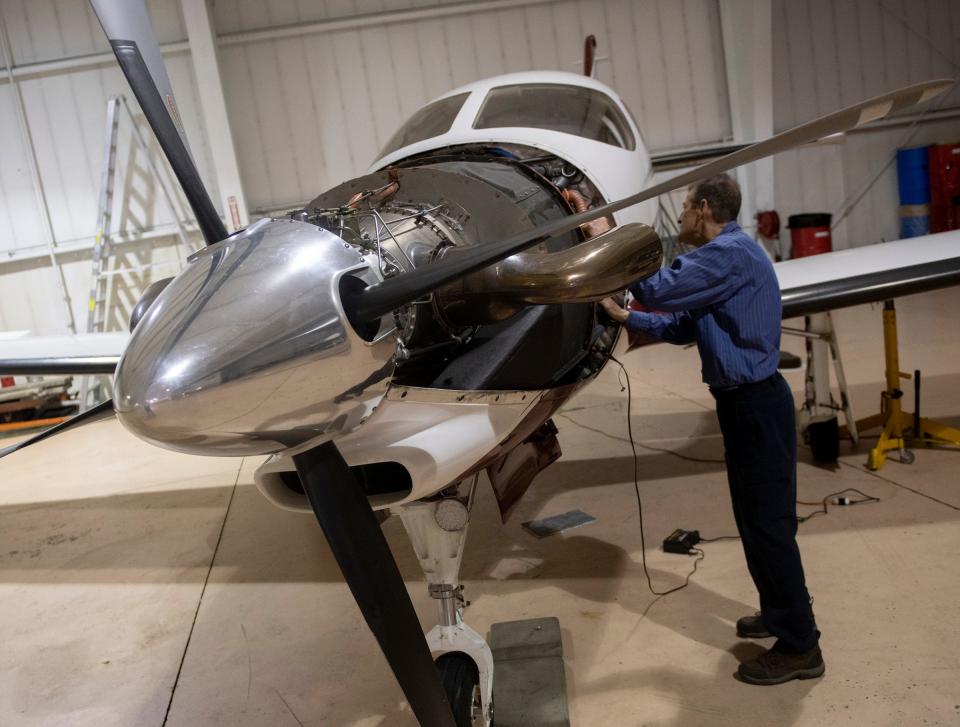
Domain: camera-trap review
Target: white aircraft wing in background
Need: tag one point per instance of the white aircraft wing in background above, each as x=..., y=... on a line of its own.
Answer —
x=869, y=273
x=84, y=353
x=808, y=285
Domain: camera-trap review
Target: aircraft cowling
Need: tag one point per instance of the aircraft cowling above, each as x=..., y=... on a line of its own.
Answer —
x=248, y=351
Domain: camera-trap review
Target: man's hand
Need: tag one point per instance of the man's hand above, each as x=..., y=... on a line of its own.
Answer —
x=614, y=311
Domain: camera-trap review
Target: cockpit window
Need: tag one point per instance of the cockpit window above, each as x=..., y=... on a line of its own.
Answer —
x=432, y=120
x=557, y=107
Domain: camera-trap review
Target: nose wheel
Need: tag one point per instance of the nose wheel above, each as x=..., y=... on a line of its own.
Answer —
x=461, y=682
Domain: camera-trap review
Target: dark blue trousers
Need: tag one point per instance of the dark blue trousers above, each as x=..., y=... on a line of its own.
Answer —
x=759, y=436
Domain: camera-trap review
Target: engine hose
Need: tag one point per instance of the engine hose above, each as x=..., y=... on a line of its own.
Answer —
x=576, y=200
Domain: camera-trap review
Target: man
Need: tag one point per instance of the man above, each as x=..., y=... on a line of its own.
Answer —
x=724, y=296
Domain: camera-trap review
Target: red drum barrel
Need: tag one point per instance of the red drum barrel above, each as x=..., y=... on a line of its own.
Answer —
x=809, y=234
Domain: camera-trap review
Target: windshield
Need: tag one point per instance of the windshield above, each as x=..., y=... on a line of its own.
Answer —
x=432, y=120
x=574, y=110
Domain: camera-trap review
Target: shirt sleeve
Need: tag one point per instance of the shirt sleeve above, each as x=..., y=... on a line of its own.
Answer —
x=708, y=275
x=670, y=327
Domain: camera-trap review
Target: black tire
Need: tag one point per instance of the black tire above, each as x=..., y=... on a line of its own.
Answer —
x=459, y=677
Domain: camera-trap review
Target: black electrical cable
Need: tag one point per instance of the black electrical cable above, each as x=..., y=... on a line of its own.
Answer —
x=823, y=503
x=822, y=511
x=636, y=488
x=719, y=537
x=903, y=487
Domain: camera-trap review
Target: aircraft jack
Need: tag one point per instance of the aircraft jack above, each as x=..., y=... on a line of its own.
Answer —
x=894, y=421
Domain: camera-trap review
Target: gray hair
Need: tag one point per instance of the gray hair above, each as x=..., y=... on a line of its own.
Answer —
x=722, y=194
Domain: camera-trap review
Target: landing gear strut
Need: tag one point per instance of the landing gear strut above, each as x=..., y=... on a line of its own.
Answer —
x=438, y=530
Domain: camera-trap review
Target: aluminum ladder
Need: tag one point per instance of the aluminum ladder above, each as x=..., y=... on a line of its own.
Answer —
x=96, y=388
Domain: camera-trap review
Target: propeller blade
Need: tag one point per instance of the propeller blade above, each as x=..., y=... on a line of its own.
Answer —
x=368, y=567
x=100, y=411
x=127, y=27
x=377, y=300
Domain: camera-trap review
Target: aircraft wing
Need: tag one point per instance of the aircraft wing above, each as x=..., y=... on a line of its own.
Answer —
x=869, y=273
x=85, y=353
x=809, y=285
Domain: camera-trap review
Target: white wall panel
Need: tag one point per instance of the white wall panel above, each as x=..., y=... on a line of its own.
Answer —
x=233, y=16
x=43, y=30
x=66, y=111
x=364, y=82
x=832, y=53
x=19, y=214
x=311, y=110
x=837, y=52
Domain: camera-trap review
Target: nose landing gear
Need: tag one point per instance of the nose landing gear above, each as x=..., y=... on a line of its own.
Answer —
x=438, y=530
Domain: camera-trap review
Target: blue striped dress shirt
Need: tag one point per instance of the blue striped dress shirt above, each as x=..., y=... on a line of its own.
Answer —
x=723, y=296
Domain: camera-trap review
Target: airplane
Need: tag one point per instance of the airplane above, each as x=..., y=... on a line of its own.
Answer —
x=415, y=327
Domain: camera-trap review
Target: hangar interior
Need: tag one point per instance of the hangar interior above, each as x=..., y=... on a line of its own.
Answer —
x=144, y=586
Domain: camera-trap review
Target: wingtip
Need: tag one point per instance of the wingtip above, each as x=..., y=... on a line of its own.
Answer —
x=936, y=88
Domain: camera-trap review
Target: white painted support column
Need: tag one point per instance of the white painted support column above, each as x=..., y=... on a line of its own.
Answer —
x=747, y=27
x=206, y=68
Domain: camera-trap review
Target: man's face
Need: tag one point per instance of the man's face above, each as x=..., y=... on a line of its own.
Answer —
x=691, y=221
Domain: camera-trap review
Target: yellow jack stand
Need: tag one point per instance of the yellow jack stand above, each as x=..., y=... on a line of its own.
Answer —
x=892, y=418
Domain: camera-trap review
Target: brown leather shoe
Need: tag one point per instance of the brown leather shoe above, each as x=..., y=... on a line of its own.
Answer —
x=778, y=665
x=752, y=627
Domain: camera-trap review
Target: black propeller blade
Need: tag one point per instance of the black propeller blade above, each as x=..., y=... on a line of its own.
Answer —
x=376, y=300
x=128, y=28
x=100, y=411
x=368, y=567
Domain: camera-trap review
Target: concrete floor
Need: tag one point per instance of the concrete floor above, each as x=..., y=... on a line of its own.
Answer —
x=142, y=587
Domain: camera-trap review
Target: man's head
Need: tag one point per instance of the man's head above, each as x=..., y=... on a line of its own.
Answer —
x=708, y=206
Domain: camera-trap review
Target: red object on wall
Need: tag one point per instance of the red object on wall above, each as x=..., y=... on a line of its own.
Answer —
x=768, y=224
x=589, y=54
x=944, y=164
x=809, y=234
x=6, y=381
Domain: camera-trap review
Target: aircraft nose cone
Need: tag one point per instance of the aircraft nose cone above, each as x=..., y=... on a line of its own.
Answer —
x=248, y=351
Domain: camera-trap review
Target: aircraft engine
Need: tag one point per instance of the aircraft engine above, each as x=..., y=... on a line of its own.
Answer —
x=446, y=206
x=253, y=350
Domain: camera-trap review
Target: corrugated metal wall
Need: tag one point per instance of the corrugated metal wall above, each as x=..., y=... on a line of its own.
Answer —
x=311, y=109
x=832, y=53
x=65, y=109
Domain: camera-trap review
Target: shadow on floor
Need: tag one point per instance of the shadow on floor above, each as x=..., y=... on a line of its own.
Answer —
x=701, y=699
x=169, y=536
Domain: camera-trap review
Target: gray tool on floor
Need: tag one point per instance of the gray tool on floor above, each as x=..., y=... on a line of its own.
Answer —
x=529, y=686
x=558, y=523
